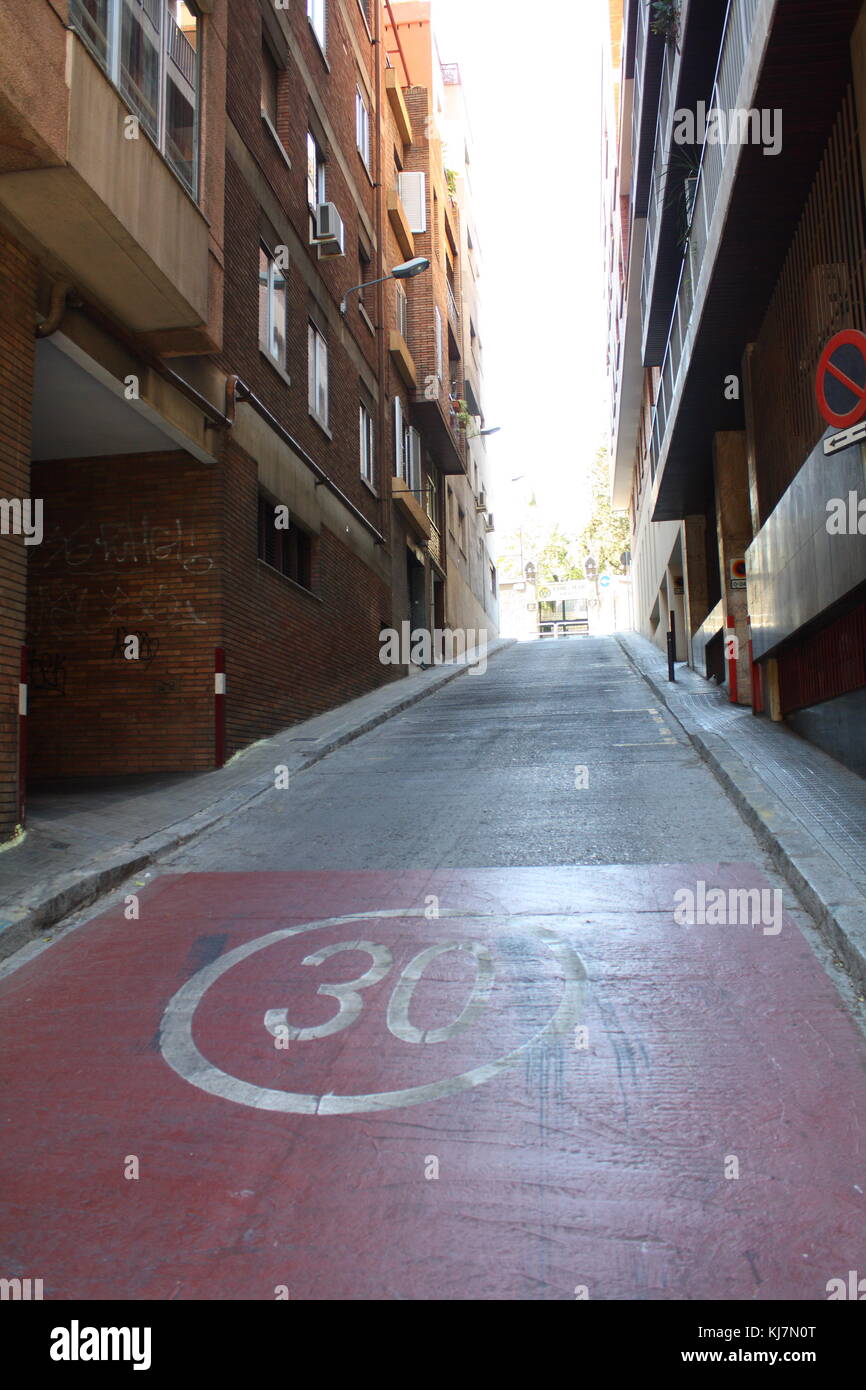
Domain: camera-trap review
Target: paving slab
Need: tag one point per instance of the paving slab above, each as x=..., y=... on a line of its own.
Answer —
x=806, y=808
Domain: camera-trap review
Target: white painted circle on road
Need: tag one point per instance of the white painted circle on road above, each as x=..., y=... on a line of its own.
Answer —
x=183, y=1056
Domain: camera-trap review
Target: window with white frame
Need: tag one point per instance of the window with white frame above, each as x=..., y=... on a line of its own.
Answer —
x=402, y=312
x=150, y=51
x=437, y=329
x=316, y=192
x=317, y=14
x=318, y=360
x=270, y=84
x=272, y=307
x=362, y=127
x=368, y=467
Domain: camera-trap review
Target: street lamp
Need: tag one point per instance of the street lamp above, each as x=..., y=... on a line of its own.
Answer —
x=407, y=271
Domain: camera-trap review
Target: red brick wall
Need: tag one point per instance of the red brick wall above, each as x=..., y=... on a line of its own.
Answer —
x=337, y=453
x=131, y=546
x=18, y=276
x=292, y=654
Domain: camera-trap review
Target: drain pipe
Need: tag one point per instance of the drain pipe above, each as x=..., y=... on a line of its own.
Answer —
x=60, y=292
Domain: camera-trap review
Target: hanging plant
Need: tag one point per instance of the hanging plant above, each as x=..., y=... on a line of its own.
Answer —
x=665, y=19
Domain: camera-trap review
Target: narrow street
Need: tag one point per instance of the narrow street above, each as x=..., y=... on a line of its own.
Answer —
x=429, y=1023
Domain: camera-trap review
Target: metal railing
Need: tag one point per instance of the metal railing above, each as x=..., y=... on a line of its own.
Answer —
x=661, y=160
x=736, y=42
x=453, y=311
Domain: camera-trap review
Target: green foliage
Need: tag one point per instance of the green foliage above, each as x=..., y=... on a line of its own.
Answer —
x=665, y=19
x=608, y=534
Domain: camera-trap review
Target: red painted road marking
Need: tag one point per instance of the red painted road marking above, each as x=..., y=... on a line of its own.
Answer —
x=849, y=337
x=593, y=1159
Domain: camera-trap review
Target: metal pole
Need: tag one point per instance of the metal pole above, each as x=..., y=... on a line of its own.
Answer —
x=672, y=649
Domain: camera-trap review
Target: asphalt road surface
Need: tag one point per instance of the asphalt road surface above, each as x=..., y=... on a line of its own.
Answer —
x=502, y=1000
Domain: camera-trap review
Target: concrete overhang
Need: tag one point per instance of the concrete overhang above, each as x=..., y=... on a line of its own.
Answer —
x=630, y=384
x=113, y=218
x=82, y=409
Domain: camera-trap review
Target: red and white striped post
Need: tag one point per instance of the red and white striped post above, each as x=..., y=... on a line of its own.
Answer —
x=219, y=700
x=23, y=688
x=755, y=670
x=732, y=660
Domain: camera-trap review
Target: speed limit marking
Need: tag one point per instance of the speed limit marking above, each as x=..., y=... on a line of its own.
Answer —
x=183, y=1056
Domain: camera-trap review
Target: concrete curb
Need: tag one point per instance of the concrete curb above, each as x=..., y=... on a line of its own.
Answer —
x=831, y=897
x=48, y=903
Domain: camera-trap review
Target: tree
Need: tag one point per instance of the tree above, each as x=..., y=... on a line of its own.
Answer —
x=608, y=534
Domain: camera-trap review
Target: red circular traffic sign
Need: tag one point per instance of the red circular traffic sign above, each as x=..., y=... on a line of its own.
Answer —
x=849, y=337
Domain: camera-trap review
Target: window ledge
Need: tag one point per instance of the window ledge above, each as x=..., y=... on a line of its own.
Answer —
x=318, y=43
x=366, y=317
x=275, y=366
x=366, y=21
x=268, y=123
x=287, y=579
x=321, y=424
x=370, y=488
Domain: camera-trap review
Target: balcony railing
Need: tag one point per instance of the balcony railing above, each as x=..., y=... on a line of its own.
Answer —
x=715, y=158
x=434, y=545
x=453, y=311
x=661, y=162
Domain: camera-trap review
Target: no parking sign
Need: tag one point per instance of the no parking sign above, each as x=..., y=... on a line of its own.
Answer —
x=840, y=387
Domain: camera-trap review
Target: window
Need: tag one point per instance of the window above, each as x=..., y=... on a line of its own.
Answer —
x=437, y=329
x=149, y=49
x=402, y=312
x=315, y=174
x=270, y=84
x=461, y=528
x=282, y=544
x=317, y=14
x=412, y=189
x=367, y=455
x=272, y=307
x=362, y=127
x=493, y=580
x=364, y=273
x=318, y=358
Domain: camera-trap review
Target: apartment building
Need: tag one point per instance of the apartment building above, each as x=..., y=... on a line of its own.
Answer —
x=441, y=490
x=198, y=398
x=736, y=141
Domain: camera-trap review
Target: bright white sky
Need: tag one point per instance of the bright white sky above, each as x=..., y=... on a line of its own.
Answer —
x=532, y=80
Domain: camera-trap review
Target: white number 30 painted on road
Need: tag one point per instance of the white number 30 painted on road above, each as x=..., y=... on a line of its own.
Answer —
x=349, y=999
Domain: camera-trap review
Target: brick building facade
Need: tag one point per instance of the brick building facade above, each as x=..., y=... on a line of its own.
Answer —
x=194, y=388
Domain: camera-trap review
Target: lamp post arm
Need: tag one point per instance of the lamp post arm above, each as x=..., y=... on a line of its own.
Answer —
x=366, y=286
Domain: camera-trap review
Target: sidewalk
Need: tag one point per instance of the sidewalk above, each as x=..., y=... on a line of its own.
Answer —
x=85, y=837
x=807, y=808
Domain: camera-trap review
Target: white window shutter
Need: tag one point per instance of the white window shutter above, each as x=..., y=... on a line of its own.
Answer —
x=398, y=437
x=437, y=323
x=413, y=195
x=414, y=460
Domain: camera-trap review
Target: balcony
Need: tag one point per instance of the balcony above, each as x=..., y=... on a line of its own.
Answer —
x=398, y=106
x=402, y=358
x=453, y=312
x=411, y=503
x=108, y=212
x=435, y=548
x=442, y=435
x=736, y=80
x=400, y=224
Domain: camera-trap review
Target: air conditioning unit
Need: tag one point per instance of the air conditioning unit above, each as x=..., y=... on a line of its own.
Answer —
x=330, y=234
x=481, y=501
x=488, y=525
